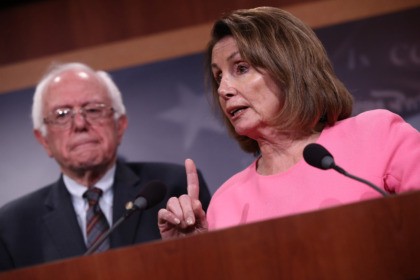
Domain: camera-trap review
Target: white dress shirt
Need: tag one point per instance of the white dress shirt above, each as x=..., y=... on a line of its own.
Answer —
x=81, y=205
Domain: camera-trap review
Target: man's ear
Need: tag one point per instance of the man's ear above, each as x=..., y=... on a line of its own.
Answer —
x=122, y=124
x=43, y=141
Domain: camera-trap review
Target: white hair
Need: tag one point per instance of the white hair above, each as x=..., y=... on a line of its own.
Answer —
x=103, y=77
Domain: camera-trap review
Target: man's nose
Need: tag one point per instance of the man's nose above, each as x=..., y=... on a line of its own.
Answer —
x=79, y=118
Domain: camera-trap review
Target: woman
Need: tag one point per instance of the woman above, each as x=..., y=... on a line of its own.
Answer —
x=276, y=91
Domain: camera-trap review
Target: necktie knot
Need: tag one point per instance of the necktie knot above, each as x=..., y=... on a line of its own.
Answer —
x=92, y=195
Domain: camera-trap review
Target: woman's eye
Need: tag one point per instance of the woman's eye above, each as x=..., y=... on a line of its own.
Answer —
x=242, y=68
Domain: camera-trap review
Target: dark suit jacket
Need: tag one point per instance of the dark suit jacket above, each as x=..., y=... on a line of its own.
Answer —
x=42, y=226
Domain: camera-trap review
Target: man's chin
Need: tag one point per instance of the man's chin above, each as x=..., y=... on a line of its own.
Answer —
x=89, y=165
x=88, y=161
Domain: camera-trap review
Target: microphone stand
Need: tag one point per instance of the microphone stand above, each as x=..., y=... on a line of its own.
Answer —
x=131, y=208
x=345, y=173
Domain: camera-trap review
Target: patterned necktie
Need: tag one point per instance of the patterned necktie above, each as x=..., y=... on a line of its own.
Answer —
x=96, y=223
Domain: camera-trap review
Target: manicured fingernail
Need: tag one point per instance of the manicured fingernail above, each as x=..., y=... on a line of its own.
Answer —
x=190, y=221
x=177, y=221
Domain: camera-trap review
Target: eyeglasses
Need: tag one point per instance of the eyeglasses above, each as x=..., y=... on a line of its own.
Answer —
x=92, y=112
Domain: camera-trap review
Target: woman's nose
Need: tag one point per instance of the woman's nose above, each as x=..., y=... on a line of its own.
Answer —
x=226, y=88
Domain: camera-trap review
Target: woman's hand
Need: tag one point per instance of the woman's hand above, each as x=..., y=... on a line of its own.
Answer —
x=183, y=215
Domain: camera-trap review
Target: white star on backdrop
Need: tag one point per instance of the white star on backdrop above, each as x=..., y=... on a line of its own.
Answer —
x=193, y=114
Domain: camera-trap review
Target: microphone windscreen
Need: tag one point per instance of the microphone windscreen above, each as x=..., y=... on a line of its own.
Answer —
x=314, y=154
x=153, y=192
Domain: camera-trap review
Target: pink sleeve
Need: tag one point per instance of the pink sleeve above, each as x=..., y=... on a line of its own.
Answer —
x=403, y=151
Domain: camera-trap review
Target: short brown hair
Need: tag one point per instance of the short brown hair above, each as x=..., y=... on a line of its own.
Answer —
x=290, y=52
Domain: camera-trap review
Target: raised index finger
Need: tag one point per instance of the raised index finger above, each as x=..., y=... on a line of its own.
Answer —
x=193, y=188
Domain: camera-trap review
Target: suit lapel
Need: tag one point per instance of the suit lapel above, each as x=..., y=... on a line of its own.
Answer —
x=61, y=222
x=126, y=187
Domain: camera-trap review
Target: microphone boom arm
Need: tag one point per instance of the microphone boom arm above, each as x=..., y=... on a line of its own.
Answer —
x=319, y=157
x=345, y=173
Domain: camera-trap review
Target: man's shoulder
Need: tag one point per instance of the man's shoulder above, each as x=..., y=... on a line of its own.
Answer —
x=27, y=203
x=173, y=175
x=161, y=169
x=154, y=166
x=147, y=171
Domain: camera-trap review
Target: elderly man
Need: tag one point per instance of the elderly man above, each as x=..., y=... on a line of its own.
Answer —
x=79, y=119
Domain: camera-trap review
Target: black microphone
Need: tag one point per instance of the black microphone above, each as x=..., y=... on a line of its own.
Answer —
x=149, y=196
x=317, y=156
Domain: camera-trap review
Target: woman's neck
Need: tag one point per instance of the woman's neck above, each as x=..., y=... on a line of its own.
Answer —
x=279, y=155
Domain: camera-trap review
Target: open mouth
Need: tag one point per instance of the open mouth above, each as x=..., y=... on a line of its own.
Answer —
x=236, y=111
